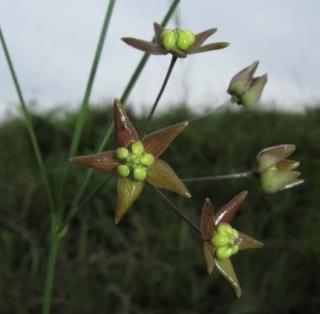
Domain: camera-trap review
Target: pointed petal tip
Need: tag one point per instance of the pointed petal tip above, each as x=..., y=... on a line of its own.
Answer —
x=188, y=195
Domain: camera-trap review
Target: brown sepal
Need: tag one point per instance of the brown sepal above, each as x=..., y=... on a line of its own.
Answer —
x=207, y=220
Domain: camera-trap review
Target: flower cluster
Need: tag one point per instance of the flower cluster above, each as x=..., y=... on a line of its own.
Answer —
x=136, y=160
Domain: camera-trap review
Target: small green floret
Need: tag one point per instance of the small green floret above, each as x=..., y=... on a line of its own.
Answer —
x=147, y=160
x=168, y=39
x=225, y=241
x=137, y=148
x=123, y=170
x=139, y=173
x=122, y=153
x=185, y=40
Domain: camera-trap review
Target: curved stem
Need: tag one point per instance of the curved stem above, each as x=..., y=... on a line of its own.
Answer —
x=177, y=211
x=163, y=86
x=239, y=175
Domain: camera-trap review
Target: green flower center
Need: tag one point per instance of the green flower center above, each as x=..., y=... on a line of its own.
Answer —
x=134, y=162
x=177, y=39
x=225, y=241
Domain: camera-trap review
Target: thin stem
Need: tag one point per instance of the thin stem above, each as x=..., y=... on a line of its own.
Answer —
x=163, y=86
x=86, y=97
x=30, y=128
x=75, y=209
x=52, y=260
x=240, y=175
x=218, y=109
x=177, y=211
x=127, y=91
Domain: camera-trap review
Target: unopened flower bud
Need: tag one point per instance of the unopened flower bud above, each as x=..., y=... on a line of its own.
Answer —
x=242, y=80
x=225, y=229
x=250, y=98
x=223, y=252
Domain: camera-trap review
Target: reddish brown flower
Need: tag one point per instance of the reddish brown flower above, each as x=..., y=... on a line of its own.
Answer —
x=221, y=241
x=178, y=42
x=136, y=161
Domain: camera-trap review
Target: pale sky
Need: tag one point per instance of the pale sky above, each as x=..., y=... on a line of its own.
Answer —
x=53, y=41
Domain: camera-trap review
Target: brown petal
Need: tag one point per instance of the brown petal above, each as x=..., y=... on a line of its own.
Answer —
x=227, y=212
x=287, y=165
x=161, y=175
x=158, y=29
x=209, y=47
x=178, y=53
x=157, y=142
x=272, y=155
x=246, y=242
x=207, y=220
x=146, y=46
x=208, y=252
x=105, y=161
x=128, y=191
x=226, y=269
x=126, y=133
x=203, y=36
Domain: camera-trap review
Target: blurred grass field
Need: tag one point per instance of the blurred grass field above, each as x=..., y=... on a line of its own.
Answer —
x=152, y=263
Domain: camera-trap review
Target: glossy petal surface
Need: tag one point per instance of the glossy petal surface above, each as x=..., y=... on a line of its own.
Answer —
x=128, y=191
x=207, y=220
x=157, y=142
x=208, y=252
x=227, y=212
x=247, y=243
x=161, y=175
x=226, y=269
x=273, y=155
x=105, y=161
x=126, y=133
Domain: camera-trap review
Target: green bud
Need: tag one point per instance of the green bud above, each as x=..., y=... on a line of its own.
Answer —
x=223, y=252
x=168, y=39
x=219, y=240
x=137, y=148
x=225, y=229
x=123, y=170
x=147, y=160
x=251, y=97
x=235, y=233
x=185, y=40
x=139, y=173
x=122, y=153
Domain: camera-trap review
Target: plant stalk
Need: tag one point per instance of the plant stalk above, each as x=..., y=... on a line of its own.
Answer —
x=177, y=211
x=163, y=86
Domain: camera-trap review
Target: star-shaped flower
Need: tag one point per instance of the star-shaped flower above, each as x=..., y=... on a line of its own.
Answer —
x=221, y=241
x=275, y=171
x=136, y=161
x=177, y=41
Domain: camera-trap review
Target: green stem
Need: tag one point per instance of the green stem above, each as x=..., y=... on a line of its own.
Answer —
x=52, y=259
x=177, y=211
x=240, y=175
x=86, y=97
x=127, y=91
x=163, y=86
x=29, y=125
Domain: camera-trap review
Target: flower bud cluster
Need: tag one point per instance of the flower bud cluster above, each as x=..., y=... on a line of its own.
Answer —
x=177, y=39
x=225, y=241
x=134, y=161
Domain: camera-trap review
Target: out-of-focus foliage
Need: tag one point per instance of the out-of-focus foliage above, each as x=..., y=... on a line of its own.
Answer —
x=152, y=263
